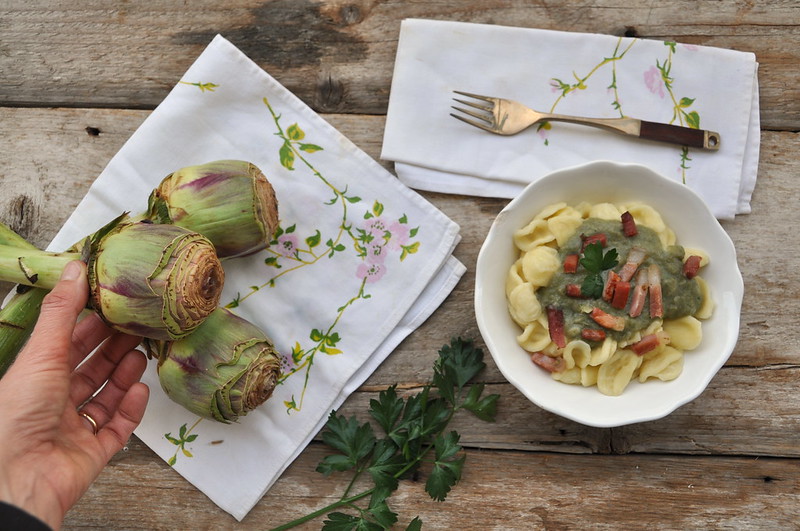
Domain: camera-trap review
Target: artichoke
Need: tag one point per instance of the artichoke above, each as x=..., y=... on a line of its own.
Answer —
x=155, y=281
x=223, y=370
x=230, y=202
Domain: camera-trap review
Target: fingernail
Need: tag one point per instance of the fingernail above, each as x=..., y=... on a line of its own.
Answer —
x=71, y=271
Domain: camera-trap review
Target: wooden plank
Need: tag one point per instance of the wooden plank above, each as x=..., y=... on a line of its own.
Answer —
x=498, y=490
x=35, y=178
x=338, y=56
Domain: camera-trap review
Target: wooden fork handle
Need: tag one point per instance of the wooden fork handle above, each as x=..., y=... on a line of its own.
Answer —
x=675, y=134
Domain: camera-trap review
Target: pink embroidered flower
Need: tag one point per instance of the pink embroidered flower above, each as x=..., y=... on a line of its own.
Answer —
x=401, y=234
x=287, y=244
x=652, y=78
x=375, y=227
x=375, y=251
x=371, y=272
x=689, y=47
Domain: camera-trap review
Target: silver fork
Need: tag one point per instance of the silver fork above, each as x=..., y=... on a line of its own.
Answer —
x=508, y=117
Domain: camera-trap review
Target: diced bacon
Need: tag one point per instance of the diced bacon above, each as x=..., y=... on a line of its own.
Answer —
x=628, y=224
x=691, y=266
x=654, y=281
x=548, y=363
x=646, y=344
x=606, y=320
x=599, y=237
x=635, y=258
x=571, y=263
x=573, y=290
x=621, y=293
x=611, y=284
x=639, y=294
x=555, y=322
x=650, y=342
x=593, y=334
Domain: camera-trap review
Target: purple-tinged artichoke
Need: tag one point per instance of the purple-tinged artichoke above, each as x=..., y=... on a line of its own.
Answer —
x=223, y=370
x=230, y=202
x=154, y=281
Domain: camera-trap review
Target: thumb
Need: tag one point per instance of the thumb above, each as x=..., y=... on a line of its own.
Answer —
x=52, y=335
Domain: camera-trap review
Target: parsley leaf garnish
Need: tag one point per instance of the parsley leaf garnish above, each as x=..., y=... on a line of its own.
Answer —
x=595, y=262
x=414, y=432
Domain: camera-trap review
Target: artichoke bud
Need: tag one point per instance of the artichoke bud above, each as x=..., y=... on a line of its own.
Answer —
x=154, y=281
x=230, y=202
x=223, y=370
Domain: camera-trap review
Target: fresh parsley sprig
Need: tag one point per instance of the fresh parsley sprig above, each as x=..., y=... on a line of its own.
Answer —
x=414, y=434
x=595, y=262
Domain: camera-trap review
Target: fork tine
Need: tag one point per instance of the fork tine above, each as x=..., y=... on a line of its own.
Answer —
x=473, y=123
x=476, y=96
x=475, y=105
x=474, y=114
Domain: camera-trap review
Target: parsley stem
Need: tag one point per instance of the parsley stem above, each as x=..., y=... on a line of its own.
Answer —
x=323, y=511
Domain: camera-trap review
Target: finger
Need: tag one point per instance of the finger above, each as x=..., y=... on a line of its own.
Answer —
x=89, y=333
x=114, y=435
x=51, y=337
x=92, y=375
x=129, y=371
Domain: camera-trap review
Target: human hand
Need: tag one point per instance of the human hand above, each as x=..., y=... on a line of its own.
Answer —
x=49, y=452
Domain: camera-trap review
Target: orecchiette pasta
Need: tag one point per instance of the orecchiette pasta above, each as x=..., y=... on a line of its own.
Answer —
x=659, y=306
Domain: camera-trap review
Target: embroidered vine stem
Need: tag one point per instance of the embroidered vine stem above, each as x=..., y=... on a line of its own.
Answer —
x=566, y=88
x=326, y=343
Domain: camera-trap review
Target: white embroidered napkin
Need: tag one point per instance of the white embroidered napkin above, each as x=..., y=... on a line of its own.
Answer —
x=568, y=73
x=333, y=314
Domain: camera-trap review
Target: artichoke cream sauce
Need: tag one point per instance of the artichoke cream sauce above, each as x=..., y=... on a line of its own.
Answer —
x=681, y=296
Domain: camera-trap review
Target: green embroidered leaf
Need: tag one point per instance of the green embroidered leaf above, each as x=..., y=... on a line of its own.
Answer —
x=330, y=351
x=286, y=156
x=686, y=102
x=297, y=352
x=290, y=229
x=186, y=452
x=353, y=199
x=171, y=439
x=191, y=437
x=313, y=241
x=295, y=133
x=413, y=232
x=317, y=335
x=377, y=208
x=172, y=460
x=693, y=119
x=408, y=249
x=403, y=219
x=309, y=148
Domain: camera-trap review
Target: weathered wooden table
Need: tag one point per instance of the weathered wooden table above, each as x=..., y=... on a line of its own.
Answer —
x=76, y=79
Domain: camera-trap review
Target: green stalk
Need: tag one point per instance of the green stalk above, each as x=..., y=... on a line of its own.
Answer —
x=33, y=267
x=19, y=315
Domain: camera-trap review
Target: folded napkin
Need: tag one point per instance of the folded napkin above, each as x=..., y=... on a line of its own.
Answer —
x=568, y=73
x=315, y=296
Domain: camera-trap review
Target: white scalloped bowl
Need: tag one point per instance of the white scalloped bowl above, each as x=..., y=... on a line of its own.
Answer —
x=694, y=226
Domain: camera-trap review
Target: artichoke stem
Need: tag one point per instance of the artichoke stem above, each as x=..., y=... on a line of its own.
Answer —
x=32, y=267
x=18, y=317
